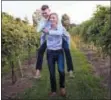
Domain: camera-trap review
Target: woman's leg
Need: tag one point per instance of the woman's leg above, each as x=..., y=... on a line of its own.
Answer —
x=60, y=62
x=51, y=65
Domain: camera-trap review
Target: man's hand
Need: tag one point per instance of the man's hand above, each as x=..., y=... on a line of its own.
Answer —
x=45, y=30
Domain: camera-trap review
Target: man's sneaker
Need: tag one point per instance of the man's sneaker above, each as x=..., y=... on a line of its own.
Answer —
x=71, y=75
x=37, y=76
x=62, y=92
x=52, y=94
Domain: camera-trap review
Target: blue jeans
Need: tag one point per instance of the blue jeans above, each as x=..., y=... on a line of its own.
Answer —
x=67, y=54
x=54, y=56
x=40, y=56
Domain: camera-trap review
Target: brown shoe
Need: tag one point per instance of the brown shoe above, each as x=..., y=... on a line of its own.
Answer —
x=52, y=94
x=62, y=92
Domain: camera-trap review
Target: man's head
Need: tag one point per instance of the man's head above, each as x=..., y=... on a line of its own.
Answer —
x=45, y=11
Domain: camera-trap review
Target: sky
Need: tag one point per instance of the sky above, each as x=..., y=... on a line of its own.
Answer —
x=78, y=11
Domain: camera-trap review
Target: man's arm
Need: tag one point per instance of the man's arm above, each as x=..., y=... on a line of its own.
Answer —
x=57, y=31
x=60, y=31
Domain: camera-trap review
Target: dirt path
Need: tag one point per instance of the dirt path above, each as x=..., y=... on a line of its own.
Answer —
x=100, y=66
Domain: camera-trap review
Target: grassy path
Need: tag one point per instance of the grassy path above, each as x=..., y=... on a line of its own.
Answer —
x=83, y=87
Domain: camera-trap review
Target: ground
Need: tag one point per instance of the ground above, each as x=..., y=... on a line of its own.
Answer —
x=101, y=66
x=87, y=83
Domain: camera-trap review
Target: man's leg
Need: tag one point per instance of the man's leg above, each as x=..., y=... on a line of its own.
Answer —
x=68, y=58
x=39, y=62
x=60, y=62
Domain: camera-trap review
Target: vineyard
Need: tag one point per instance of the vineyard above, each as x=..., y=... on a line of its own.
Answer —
x=96, y=31
x=90, y=50
x=18, y=41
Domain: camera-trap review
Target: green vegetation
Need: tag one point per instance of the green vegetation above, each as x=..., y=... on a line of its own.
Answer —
x=18, y=38
x=19, y=41
x=84, y=86
x=96, y=30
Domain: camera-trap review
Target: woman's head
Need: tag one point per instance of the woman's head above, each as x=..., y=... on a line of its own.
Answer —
x=53, y=18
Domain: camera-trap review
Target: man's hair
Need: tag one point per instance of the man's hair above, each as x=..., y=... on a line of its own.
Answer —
x=44, y=7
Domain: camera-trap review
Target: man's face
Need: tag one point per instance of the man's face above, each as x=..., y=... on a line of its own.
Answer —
x=46, y=13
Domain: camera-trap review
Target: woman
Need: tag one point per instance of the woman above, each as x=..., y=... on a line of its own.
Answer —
x=55, y=53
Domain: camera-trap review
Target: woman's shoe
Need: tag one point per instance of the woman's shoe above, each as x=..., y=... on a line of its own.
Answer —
x=63, y=92
x=52, y=94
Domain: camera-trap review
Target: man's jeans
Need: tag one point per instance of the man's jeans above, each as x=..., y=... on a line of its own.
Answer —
x=40, y=56
x=67, y=55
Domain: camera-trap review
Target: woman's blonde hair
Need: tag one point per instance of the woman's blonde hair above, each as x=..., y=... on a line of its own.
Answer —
x=53, y=14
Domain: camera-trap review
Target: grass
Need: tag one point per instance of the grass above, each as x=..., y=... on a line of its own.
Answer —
x=85, y=86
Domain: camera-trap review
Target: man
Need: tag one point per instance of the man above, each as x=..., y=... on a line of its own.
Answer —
x=44, y=23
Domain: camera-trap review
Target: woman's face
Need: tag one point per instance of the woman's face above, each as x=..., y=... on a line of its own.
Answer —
x=53, y=19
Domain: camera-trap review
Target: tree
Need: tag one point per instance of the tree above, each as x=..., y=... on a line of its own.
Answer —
x=66, y=21
x=36, y=17
x=72, y=25
x=26, y=20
